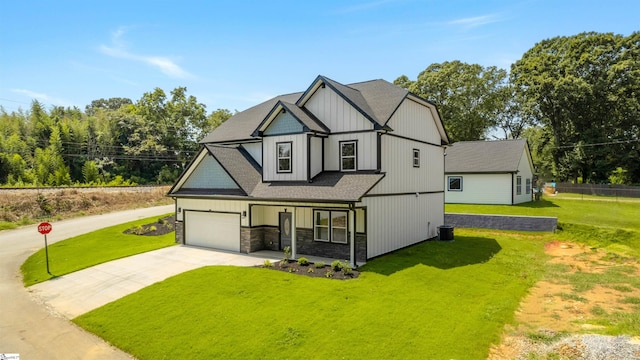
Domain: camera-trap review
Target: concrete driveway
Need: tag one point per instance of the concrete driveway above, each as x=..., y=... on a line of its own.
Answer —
x=82, y=291
x=35, y=331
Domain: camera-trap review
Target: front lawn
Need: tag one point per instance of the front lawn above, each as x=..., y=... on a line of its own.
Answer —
x=90, y=249
x=435, y=300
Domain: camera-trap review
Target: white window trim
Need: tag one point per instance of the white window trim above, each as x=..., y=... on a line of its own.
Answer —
x=416, y=158
x=449, y=178
x=330, y=226
x=290, y=157
x=354, y=156
x=528, y=186
x=518, y=185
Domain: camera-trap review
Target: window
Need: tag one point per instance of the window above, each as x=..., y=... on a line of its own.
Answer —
x=454, y=183
x=348, y=152
x=330, y=226
x=284, y=157
x=528, y=184
x=518, y=185
x=416, y=158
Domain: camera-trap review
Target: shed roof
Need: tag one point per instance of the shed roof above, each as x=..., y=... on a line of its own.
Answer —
x=501, y=156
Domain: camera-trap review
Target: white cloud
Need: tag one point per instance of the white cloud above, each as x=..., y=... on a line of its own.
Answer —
x=472, y=22
x=164, y=64
x=42, y=97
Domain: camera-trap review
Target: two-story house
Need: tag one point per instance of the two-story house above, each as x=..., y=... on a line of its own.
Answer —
x=341, y=171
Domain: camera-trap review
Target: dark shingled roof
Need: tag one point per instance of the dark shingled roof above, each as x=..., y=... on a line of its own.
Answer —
x=484, y=156
x=328, y=186
x=242, y=168
x=241, y=125
x=377, y=99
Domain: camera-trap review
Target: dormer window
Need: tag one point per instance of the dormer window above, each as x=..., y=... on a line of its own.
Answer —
x=284, y=157
x=348, y=155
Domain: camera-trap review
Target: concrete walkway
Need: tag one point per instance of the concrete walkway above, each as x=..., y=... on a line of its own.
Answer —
x=82, y=291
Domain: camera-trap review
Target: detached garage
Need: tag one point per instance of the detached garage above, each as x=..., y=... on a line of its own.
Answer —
x=212, y=229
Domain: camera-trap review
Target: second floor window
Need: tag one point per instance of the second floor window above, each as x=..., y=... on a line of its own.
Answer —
x=348, y=154
x=518, y=185
x=416, y=158
x=284, y=157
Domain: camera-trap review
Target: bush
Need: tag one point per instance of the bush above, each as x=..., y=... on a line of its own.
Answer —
x=310, y=270
x=267, y=263
x=329, y=274
x=287, y=253
x=346, y=268
x=303, y=261
x=319, y=264
x=336, y=265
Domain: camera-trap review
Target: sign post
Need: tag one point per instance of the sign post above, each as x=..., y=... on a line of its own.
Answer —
x=44, y=228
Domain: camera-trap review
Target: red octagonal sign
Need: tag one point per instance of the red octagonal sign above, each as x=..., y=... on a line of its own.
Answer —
x=44, y=228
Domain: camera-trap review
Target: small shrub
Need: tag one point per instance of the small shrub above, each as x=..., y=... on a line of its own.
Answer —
x=303, y=261
x=153, y=228
x=287, y=253
x=284, y=263
x=267, y=263
x=319, y=265
x=138, y=230
x=310, y=270
x=346, y=268
x=292, y=270
x=336, y=265
x=328, y=274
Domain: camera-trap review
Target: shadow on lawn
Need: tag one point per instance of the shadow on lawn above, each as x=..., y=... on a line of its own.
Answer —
x=542, y=203
x=463, y=251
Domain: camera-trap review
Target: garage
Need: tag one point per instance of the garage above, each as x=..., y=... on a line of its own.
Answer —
x=212, y=230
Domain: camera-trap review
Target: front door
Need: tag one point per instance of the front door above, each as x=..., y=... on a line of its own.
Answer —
x=285, y=229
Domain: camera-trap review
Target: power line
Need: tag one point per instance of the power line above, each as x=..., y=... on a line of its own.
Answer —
x=598, y=144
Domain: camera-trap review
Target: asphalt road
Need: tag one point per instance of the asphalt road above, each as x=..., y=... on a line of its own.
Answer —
x=28, y=328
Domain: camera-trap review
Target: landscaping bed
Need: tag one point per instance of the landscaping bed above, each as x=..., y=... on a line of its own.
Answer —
x=162, y=226
x=337, y=270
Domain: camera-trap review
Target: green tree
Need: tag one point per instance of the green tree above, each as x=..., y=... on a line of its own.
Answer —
x=90, y=173
x=469, y=97
x=584, y=88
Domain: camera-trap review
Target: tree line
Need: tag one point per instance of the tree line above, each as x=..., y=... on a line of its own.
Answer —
x=112, y=142
x=575, y=98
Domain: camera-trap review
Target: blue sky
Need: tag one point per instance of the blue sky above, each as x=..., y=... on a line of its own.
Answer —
x=235, y=54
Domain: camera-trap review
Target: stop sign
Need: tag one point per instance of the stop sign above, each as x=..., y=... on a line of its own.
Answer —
x=44, y=228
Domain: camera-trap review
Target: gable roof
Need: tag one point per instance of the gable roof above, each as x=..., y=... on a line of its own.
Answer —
x=327, y=186
x=308, y=121
x=501, y=156
x=376, y=100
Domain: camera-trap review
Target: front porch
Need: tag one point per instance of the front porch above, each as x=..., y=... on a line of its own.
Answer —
x=274, y=227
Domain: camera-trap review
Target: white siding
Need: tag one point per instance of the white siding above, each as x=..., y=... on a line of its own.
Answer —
x=401, y=176
x=415, y=121
x=230, y=206
x=268, y=214
x=481, y=189
x=367, y=150
x=394, y=222
x=255, y=150
x=337, y=114
x=298, y=161
x=524, y=170
x=316, y=156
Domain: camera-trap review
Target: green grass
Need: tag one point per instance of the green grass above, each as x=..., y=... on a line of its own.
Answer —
x=90, y=249
x=434, y=300
x=611, y=225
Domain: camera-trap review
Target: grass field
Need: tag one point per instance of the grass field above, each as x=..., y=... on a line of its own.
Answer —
x=435, y=300
x=592, y=220
x=91, y=249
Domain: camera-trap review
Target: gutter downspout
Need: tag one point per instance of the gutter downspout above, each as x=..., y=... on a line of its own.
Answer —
x=352, y=235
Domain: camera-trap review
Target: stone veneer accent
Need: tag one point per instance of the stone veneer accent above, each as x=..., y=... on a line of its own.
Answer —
x=268, y=238
x=502, y=222
x=179, y=226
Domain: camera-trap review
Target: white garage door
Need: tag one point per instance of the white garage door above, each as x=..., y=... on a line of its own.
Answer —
x=213, y=230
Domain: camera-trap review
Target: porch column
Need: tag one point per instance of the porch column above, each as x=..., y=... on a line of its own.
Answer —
x=293, y=234
x=352, y=238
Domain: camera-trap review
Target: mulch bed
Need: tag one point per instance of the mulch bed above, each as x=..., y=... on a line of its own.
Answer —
x=294, y=268
x=161, y=227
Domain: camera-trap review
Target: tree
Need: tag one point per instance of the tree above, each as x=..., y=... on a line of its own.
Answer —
x=214, y=120
x=114, y=103
x=468, y=96
x=585, y=89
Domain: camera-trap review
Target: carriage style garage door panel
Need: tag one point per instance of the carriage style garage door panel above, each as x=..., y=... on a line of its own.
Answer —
x=212, y=230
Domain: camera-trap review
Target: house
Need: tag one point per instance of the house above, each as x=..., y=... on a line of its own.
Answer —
x=489, y=172
x=341, y=171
